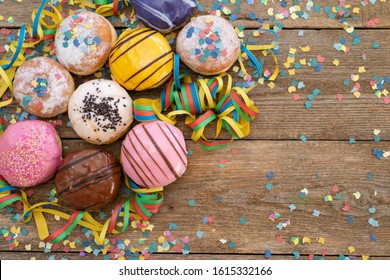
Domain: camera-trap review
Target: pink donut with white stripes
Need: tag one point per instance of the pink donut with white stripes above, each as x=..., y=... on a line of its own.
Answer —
x=154, y=154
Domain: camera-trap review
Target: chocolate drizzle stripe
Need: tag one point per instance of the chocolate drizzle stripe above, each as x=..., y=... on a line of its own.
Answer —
x=177, y=141
x=130, y=159
x=147, y=167
x=154, y=72
x=132, y=46
x=126, y=38
x=172, y=144
x=167, y=162
x=99, y=179
x=149, y=65
x=154, y=160
x=69, y=165
x=108, y=170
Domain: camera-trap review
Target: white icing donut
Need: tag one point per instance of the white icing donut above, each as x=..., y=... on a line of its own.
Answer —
x=100, y=111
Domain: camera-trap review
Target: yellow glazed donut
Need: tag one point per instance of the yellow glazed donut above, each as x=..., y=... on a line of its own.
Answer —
x=141, y=59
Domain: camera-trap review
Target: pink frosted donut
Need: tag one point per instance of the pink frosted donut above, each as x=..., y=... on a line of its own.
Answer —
x=154, y=154
x=30, y=153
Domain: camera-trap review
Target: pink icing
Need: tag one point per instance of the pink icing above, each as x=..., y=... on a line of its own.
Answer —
x=29, y=153
x=154, y=154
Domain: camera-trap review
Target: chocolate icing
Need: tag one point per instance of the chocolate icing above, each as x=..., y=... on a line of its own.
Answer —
x=88, y=179
x=163, y=15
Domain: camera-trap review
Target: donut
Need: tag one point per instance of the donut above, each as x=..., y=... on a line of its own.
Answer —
x=141, y=59
x=100, y=111
x=83, y=42
x=163, y=15
x=208, y=45
x=42, y=87
x=30, y=153
x=154, y=154
x=88, y=179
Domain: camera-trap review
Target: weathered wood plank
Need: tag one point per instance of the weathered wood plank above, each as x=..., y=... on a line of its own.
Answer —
x=283, y=118
x=238, y=191
x=159, y=256
x=21, y=13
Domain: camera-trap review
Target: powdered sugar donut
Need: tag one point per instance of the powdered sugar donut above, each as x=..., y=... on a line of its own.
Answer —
x=100, y=111
x=154, y=154
x=30, y=153
x=42, y=87
x=208, y=45
x=83, y=42
x=163, y=15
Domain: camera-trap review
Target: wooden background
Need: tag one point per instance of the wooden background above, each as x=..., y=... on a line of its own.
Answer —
x=230, y=184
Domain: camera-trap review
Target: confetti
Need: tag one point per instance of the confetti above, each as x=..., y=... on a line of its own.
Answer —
x=373, y=222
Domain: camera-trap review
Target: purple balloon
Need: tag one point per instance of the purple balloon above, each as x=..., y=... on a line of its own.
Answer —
x=163, y=15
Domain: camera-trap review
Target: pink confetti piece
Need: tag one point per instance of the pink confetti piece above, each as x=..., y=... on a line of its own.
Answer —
x=296, y=97
x=346, y=207
x=233, y=151
x=339, y=97
x=320, y=58
x=335, y=189
x=279, y=239
x=386, y=100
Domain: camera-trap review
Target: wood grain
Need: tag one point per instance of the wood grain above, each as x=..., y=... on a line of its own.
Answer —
x=240, y=185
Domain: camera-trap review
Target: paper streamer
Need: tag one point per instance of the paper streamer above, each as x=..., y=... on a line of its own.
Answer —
x=201, y=102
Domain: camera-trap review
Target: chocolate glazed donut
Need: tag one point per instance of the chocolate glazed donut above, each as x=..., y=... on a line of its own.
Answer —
x=88, y=179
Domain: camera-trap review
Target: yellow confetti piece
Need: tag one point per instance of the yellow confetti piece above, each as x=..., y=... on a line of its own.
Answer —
x=291, y=72
x=119, y=224
x=320, y=240
x=236, y=69
x=18, y=110
x=336, y=62
x=287, y=65
x=34, y=83
x=303, y=61
x=386, y=154
x=66, y=242
x=161, y=239
x=328, y=198
x=72, y=245
x=271, y=85
x=351, y=249
x=1, y=17
x=41, y=244
x=354, y=78
x=127, y=242
x=57, y=217
x=292, y=89
x=89, y=26
x=357, y=94
x=356, y=10
x=376, y=132
x=306, y=240
x=256, y=33
x=295, y=240
x=290, y=59
x=292, y=50
x=88, y=249
x=270, y=11
x=357, y=195
x=385, y=92
x=350, y=29
x=27, y=247
x=15, y=230
x=209, y=20
x=16, y=243
x=305, y=49
x=365, y=257
x=294, y=16
x=362, y=69
x=93, y=48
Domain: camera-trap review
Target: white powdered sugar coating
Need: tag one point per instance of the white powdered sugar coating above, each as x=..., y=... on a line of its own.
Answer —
x=100, y=111
x=58, y=88
x=74, y=41
x=228, y=44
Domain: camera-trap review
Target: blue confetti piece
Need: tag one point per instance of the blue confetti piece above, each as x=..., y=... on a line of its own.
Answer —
x=268, y=186
x=191, y=202
x=252, y=15
x=375, y=45
x=267, y=254
x=373, y=222
x=173, y=226
x=190, y=152
x=242, y=220
x=373, y=238
x=232, y=245
x=199, y=234
x=96, y=252
x=377, y=138
x=270, y=175
x=297, y=255
x=372, y=210
x=318, y=68
x=352, y=141
x=308, y=104
x=370, y=176
x=233, y=17
x=339, y=196
x=219, y=199
x=303, y=138
x=349, y=219
x=316, y=213
x=205, y=220
x=292, y=207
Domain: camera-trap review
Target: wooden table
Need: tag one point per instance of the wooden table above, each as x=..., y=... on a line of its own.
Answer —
x=310, y=149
